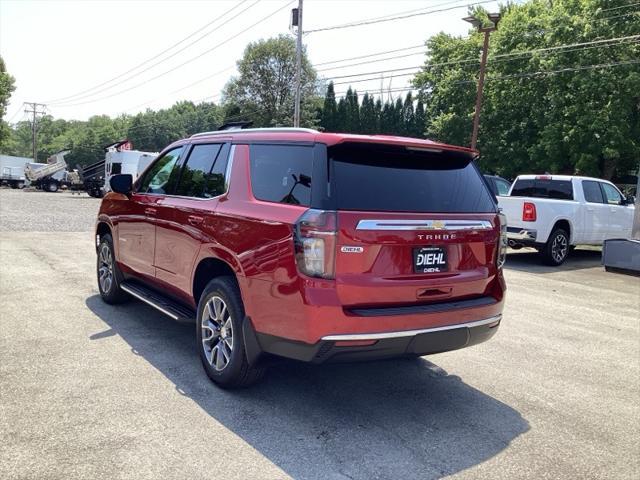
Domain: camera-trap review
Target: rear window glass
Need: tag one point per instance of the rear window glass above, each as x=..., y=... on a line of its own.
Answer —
x=199, y=178
x=538, y=188
x=592, y=192
x=282, y=173
x=396, y=179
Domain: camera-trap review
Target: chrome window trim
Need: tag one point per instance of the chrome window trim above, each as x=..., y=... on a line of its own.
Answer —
x=410, y=333
x=449, y=225
x=227, y=175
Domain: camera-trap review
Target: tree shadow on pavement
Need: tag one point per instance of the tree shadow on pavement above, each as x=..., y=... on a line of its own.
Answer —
x=528, y=260
x=392, y=419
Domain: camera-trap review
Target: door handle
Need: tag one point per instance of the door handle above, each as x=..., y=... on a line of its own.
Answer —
x=589, y=209
x=195, y=220
x=150, y=211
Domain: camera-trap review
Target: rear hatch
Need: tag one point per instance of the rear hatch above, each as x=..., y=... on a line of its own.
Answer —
x=415, y=225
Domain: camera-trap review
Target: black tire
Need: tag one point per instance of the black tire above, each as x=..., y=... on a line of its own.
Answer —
x=233, y=371
x=109, y=291
x=51, y=186
x=556, y=250
x=20, y=185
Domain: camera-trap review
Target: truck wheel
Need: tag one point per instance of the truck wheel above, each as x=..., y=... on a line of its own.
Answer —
x=19, y=185
x=220, y=338
x=52, y=186
x=556, y=250
x=109, y=276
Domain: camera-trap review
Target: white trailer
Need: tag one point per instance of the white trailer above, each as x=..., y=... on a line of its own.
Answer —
x=12, y=170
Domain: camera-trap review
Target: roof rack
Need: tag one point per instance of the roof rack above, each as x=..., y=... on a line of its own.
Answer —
x=256, y=130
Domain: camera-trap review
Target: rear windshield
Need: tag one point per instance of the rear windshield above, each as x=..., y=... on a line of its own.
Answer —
x=539, y=188
x=384, y=178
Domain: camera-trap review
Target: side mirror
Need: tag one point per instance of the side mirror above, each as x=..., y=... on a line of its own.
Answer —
x=630, y=200
x=122, y=183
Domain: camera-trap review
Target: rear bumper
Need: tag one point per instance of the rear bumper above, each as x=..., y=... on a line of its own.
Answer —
x=382, y=344
x=521, y=235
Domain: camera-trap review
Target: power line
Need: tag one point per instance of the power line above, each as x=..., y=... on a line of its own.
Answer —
x=183, y=63
x=400, y=16
x=370, y=55
x=620, y=6
x=80, y=94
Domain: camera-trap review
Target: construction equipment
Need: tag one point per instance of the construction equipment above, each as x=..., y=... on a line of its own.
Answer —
x=48, y=176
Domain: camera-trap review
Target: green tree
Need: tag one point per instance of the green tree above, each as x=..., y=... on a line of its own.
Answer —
x=329, y=110
x=408, y=116
x=548, y=110
x=419, y=120
x=7, y=86
x=264, y=89
x=368, y=120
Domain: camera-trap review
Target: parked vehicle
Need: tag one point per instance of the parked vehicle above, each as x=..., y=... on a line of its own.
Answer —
x=498, y=185
x=48, y=176
x=314, y=246
x=554, y=213
x=12, y=170
x=119, y=158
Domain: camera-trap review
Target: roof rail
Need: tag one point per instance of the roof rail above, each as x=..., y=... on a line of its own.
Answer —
x=256, y=130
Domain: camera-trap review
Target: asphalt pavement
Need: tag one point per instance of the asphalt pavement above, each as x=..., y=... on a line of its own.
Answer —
x=89, y=390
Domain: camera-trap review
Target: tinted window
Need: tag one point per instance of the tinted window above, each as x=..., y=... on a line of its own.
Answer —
x=384, y=178
x=156, y=179
x=592, y=192
x=116, y=168
x=556, y=189
x=198, y=178
x=502, y=187
x=282, y=173
x=611, y=194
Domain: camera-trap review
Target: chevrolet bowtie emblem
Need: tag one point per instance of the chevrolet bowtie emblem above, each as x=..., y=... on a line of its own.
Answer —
x=437, y=225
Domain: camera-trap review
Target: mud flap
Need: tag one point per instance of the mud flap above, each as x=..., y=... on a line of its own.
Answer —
x=252, y=348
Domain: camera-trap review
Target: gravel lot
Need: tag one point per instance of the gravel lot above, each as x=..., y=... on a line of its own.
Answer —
x=94, y=391
x=32, y=210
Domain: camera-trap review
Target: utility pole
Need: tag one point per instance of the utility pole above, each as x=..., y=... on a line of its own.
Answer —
x=494, y=18
x=36, y=109
x=297, y=21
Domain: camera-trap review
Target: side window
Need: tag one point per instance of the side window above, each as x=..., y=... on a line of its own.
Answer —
x=502, y=187
x=203, y=174
x=282, y=173
x=157, y=180
x=116, y=168
x=556, y=189
x=592, y=192
x=612, y=196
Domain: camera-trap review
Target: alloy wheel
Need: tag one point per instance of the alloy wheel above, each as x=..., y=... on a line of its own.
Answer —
x=105, y=270
x=217, y=333
x=559, y=248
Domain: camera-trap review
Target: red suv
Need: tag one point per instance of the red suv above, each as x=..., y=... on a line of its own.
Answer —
x=319, y=247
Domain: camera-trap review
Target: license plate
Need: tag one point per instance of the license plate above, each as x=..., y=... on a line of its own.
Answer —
x=430, y=260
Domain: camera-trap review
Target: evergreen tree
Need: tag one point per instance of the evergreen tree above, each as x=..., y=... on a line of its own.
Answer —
x=420, y=119
x=368, y=115
x=329, y=110
x=378, y=115
x=341, y=116
x=354, y=111
x=387, y=119
x=397, y=117
x=408, y=116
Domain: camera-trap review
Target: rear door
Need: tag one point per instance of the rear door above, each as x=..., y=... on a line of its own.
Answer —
x=184, y=214
x=413, y=226
x=596, y=214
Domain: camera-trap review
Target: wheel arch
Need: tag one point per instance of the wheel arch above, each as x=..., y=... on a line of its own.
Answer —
x=207, y=269
x=564, y=224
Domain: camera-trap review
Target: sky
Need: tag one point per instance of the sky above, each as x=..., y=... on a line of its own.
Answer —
x=82, y=57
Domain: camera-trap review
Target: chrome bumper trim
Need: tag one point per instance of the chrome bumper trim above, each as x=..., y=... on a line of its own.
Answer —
x=450, y=225
x=411, y=333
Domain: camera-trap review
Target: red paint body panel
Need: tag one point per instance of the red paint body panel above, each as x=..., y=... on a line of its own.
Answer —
x=162, y=239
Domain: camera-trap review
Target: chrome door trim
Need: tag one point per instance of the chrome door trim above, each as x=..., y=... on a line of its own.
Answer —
x=411, y=333
x=449, y=225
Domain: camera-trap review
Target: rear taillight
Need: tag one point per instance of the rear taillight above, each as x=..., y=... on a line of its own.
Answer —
x=528, y=212
x=315, y=243
x=503, y=242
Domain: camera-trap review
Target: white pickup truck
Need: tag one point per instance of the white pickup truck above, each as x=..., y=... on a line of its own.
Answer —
x=554, y=213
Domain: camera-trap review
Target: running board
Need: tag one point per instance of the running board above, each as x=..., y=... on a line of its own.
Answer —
x=160, y=302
